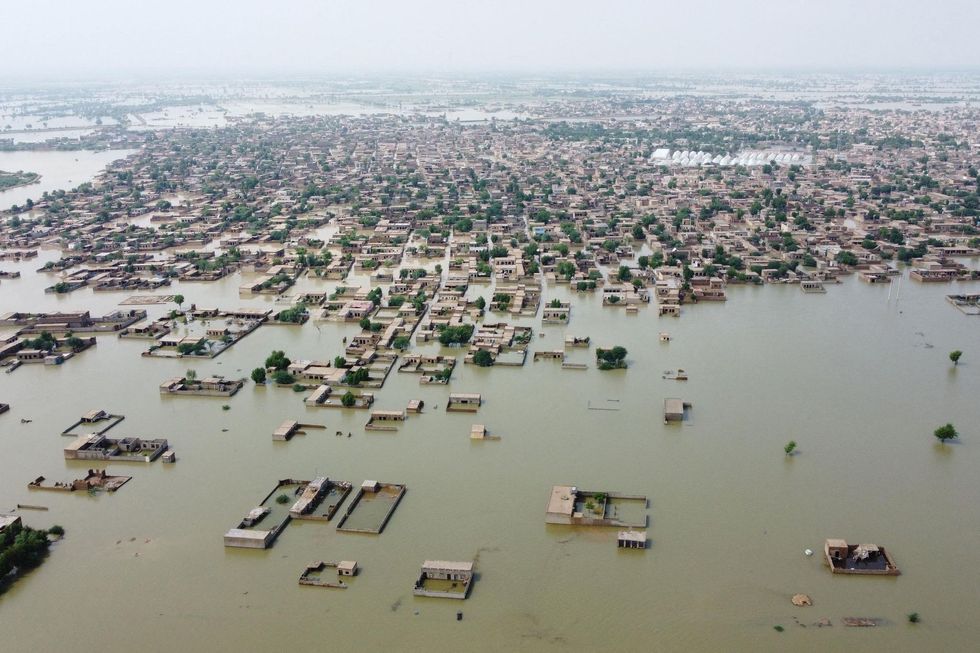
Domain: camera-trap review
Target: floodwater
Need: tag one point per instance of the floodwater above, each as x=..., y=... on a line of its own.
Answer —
x=59, y=170
x=858, y=377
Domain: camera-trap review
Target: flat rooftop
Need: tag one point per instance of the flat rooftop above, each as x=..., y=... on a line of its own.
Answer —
x=447, y=565
x=562, y=499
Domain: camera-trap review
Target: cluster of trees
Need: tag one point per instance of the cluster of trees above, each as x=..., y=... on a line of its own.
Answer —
x=312, y=260
x=566, y=269
x=280, y=278
x=357, y=377
x=294, y=315
x=501, y=300
x=906, y=254
x=23, y=547
x=611, y=359
x=456, y=334
x=278, y=362
x=45, y=342
x=192, y=348
x=847, y=258
x=443, y=375
x=366, y=324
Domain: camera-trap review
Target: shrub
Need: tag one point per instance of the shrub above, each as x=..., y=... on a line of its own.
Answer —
x=946, y=432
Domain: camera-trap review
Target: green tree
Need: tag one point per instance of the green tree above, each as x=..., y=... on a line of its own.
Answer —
x=178, y=299
x=456, y=334
x=955, y=356
x=75, y=343
x=282, y=377
x=611, y=358
x=401, y=342
x=946, y=432
x=847, y=258
x=357, y=377
x=790, y=447
x=258, y=375
x=348, y=400
x=277, y=360
x=483, y=358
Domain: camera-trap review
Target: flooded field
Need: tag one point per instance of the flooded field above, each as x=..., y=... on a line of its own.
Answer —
x=858, y=377
x=58, y=170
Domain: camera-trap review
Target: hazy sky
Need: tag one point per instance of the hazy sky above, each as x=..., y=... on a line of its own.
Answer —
x=89, y=38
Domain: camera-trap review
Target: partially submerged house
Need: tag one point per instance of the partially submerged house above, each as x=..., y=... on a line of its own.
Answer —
x=572, y=506
x=94, y=446
x=631, y=539
x=318, y=574
x=675, y=410
x=444, y=579
x=463, y=401
x=870, y=559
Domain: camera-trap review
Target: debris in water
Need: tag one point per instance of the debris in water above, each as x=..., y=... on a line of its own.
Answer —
x=800, y=600
x=860, y=622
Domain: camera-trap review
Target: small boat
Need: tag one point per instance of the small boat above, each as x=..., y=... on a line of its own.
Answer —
x=24, y=420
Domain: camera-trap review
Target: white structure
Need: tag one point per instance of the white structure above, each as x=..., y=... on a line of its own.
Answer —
x=748, y=158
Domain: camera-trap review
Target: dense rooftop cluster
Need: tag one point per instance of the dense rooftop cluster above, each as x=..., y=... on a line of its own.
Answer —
x=588, y=201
